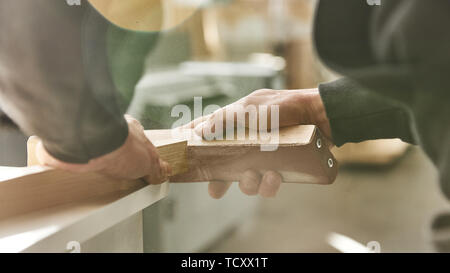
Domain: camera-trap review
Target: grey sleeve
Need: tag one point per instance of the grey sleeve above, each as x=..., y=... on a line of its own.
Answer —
x=357, y=114
x=394, y=61
x=55, y=80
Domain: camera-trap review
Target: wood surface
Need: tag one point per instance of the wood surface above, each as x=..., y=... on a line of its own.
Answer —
x=297, y=157
x=51, y=229
x=379, y=152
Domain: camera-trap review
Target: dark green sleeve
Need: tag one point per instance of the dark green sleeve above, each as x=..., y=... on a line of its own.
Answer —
x=356, y=114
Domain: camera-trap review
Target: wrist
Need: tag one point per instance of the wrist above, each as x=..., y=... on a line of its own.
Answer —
x=311, y=110
x=97, y=164
x=320, y=114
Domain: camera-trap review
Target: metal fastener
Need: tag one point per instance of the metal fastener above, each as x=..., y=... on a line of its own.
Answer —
x=319, y=143
x=330, y=162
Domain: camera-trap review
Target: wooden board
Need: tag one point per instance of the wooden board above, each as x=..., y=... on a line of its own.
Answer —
x=53, y=228
x=297, y=157
x=380, y=152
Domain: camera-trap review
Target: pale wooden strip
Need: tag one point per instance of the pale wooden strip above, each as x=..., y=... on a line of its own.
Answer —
x=51, y=229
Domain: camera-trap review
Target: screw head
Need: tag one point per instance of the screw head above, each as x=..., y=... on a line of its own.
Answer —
x=330, y=162
x=319, y=143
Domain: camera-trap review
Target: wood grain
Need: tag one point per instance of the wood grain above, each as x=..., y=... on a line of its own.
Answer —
x=297, y=157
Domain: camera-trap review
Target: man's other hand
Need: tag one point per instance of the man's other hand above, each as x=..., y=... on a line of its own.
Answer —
x=136, y=158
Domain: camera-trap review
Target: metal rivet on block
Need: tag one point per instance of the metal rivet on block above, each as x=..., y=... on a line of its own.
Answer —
x=319, y=143
x=330, y=162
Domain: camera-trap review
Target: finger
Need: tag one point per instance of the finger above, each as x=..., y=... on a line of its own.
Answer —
x=250, y=182
x=217, y=189
x=156, y=168
x=207, y=128
x=134, y=123
x=227, y=118
x=195, y=122
x=129, y=117
x=158, y=171
x=199, y=129
x=154, y=179
x=270, y=184
x=166, y=170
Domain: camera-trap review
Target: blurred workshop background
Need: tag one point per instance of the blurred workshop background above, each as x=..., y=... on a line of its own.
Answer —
x=387, y=191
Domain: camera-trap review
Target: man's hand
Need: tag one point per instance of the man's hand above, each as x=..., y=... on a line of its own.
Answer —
x=296, y=107
x=136, y=158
